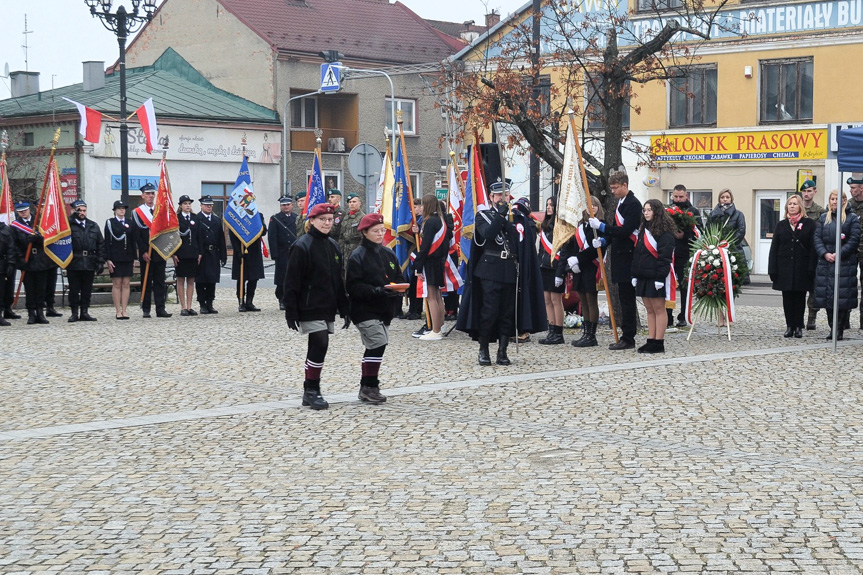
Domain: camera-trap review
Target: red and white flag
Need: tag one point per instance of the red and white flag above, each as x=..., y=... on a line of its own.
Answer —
x=91, y=122
x=7, y=214
x=147, y=117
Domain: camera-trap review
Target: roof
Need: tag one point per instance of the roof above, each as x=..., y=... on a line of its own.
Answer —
x=372, y=30
x=177, y=89
x=456, y=29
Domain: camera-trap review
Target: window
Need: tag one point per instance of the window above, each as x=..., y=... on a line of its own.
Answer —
x=28, y=139
x=786, y=90
x=693, y=97
x=304, y=113
x=596, y=112
x=658, y=5
x=220, y=192
x=408, y=109
x=701, y=199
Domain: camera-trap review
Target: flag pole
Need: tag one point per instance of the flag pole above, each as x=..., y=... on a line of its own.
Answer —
x=413, y=214
x=54, y=143
x=571, y=113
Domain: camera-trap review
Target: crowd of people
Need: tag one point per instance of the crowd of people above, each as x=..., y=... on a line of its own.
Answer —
x=333, y=263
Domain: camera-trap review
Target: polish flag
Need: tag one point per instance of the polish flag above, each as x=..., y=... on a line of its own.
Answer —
x=147, y=117
x=91, y=122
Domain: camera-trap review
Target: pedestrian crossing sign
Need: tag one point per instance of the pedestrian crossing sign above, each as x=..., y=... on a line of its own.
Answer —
x=330, y=77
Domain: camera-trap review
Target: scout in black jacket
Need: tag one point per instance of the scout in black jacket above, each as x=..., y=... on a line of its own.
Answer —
x=314, y=291
x=371, y=268
x=652, y=276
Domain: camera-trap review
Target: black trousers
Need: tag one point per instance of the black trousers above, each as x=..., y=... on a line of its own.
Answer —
x=628, y=310
x=450, y=302
x=794, y=306
x=497, y=310
x=681, y=285
x=7, y=290
x=206, y=292
x=280, y=292
x=80, y=287
x=50, y=286
x=34, y=289
x=156, y=289
x=249, y=291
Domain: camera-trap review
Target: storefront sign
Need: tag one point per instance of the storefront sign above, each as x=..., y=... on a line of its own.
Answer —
x=741, y=146
x=135, y=182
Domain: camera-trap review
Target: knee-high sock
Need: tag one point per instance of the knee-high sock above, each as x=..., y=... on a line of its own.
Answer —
x=372, y=359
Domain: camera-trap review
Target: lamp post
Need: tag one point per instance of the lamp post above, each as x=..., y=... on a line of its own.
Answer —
x=122, y=23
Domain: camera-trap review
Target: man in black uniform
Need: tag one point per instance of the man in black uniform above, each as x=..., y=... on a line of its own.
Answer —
x=88, y=258
x=283, y=234
x=214, y=254
x=152, y=264
x=626, y=219
x=31, y=259
x=7, y=270
x=488, y=306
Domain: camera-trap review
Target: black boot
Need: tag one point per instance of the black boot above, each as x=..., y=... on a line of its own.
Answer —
x=160, y=312
x=250, y=297
x=648, y=345
x=8, y=313
x=830, y=324
x=555, y=335
x=589, y=339
x=484, y=358
x=810, y=321
x=31, y=316
x=51, y=312
x=204, y=309
x=250, y=306
x=370, y=391
x=3, y=322
x=312, y=395
x=210, y=307
x=585, y=327
x=789, y=332
x=242, y=306
x=74, y=317
x=548, y=336
x=657, y=347
x=844, y=323
x=40, y=317
x=85, y=314
x=502, y=344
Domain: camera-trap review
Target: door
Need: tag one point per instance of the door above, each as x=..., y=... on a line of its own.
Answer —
x=769, y=209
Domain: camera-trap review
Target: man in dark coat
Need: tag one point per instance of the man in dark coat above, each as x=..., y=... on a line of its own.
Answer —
x=682, y=245
x=88, y=258
x=7, y=269
x=214, y=254
x=152, y=264
x=247, y=268
x=488, y=307
x=28, y=253
x=283, y=234
x=621, y=229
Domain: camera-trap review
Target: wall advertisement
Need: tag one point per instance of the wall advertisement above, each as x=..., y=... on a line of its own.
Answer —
x=740, y=146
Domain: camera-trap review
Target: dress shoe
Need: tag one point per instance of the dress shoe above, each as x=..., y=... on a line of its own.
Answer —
x=51, y=312
x=369, y=394
x=646, y=347
x=798, y=332
x=789, y=332
x=314, y=399
x=413, y=316
x=622, y=344
x=3, y=322
x=241, y=308
x=251, y=307
x=192, y=312
x=74, y=316
x=85, y=315
x=450, y=316
x=810, y=322
x=682, y=323
x=281, y=306
x=31, y=317
x=184, y=312
x=8, y=313
x=657, y=347
x=211, y=308
x=40, y=317
x=204, y=310
x=163, y=313
x=147, y=314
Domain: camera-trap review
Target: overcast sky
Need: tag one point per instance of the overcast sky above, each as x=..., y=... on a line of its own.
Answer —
x=62, y=34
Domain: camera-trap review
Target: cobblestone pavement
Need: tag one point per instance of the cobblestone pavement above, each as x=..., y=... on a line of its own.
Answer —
x=178, y=446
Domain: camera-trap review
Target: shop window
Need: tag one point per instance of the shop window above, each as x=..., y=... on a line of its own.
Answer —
x=693, y=97
x=596, y=111
x=408, y=109
x=786, y=90
x=658, y=5
x=701, y=199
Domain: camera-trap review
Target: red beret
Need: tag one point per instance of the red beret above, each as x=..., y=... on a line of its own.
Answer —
x=369, y=221
x=322, y=209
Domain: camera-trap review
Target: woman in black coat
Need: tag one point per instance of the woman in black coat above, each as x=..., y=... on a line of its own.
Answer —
x=552, y=284
x=651, y=270
x=121, y=251
x=726, y=215
x=825, y=251
x=429, y=263
x=580, y=256
x=371, y=269
x=792, y=262
x=314, y=292
x=250, y=263
x=187, y=256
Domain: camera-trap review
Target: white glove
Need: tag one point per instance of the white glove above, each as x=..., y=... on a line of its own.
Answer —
x=597, y=243
x=572, y=262
x=658, y=285
x=558, y=282
x=594, y=223
x=634, y=282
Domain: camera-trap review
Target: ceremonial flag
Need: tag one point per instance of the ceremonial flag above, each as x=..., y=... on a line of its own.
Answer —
x=53, y=222
x=147, y=117
x=403, y=209
x=7, y=213
x=241, y=212
x=315, y=193
x=165, y=228
x=572, y=199
x=456, y=201
x=384, y=198
x=475, y=199
x=91, y=122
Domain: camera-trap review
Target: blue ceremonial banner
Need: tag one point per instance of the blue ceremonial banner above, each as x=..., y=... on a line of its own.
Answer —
x=241, y=213
x=315, y=193
x=402, y=210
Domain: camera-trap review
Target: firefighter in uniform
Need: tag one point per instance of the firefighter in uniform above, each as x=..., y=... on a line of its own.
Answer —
x=152, y=264
x=34, y=268
x=88, y=259
x=214, y=255
x=283, y=234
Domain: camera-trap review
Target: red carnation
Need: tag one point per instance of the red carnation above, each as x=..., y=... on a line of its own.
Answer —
x=710, y=293
x=707, y=268
x=714, y=277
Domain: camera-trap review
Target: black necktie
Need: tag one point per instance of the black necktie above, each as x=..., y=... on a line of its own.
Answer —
x=151, y=211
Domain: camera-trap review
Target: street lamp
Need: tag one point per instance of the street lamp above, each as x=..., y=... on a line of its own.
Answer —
x=123, y=23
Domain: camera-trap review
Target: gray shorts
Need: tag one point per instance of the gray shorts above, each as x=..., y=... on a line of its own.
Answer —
x=317, y=325
x=374, y=333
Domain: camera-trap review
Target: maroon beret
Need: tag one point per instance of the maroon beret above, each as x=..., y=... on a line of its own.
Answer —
x=322, y=209
x=369, y=221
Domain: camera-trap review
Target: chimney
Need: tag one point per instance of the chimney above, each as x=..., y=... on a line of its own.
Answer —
x=94, y=75
x=492, y=19
x=24, y=83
